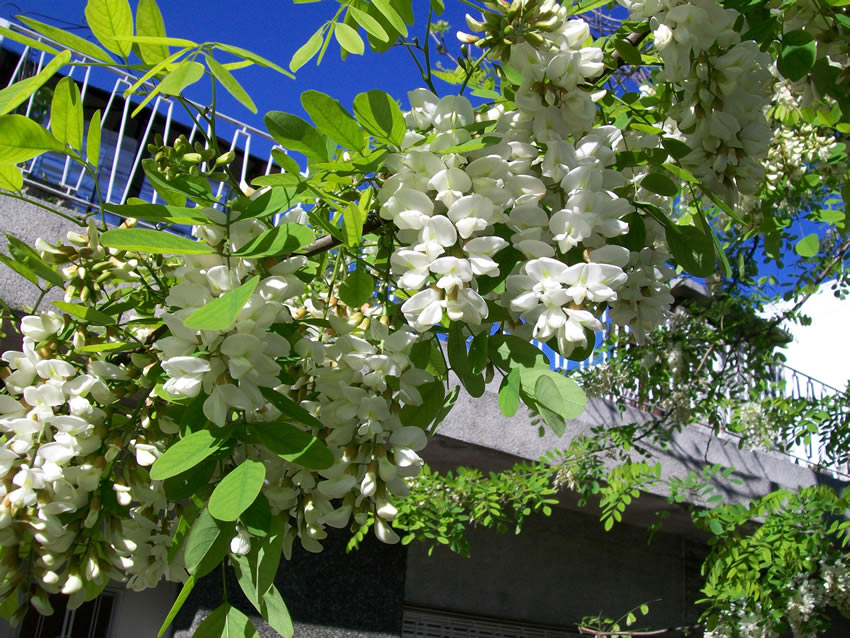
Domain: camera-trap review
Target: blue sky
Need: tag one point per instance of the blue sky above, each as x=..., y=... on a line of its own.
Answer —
x=274, y=29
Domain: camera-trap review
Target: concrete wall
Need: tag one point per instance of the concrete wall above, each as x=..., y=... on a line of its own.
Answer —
x=27, y=222
x=558, y=570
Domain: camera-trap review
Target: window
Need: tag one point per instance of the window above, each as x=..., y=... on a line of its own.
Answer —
x=90, y=620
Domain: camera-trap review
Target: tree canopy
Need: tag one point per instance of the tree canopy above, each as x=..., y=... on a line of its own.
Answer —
x=192, y=402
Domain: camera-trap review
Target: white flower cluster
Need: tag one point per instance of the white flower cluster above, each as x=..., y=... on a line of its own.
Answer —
x=344, y=374
x=725, y=85
x=60, y=443
x=241, y=358
x=355, y=381
x=794, y=147
x=541, y=183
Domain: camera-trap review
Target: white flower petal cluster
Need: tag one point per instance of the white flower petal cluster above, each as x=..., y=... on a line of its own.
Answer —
x=445, y=206
x=59, y=443
x=355, y=382
x=725, y=86
x=240, y=359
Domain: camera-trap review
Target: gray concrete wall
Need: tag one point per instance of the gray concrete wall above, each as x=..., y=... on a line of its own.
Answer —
x=27, y=222
x=474, y=424
x=558, y=570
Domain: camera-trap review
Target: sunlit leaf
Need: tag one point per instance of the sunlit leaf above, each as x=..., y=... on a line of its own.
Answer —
x=236, y=491
x=221, y=312
x=16, y=94
x=149, y=23
x=22, y=138
x=153, y=241
x=108, y=19
x=185, y=454
x=333, y=120
x=66, y=113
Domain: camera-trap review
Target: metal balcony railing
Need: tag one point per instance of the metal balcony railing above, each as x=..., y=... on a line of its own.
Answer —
x=124, y=139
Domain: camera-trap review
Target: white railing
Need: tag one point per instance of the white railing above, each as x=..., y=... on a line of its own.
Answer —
x=124, y=139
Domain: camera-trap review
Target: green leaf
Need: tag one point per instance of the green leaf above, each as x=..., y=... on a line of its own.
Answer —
x=38, y=45
x=66, y=114
x=207, y=544
x=459, y=361
x=509, y=351
x=149, y=23
x=188, y=586
x=352, y=224
x=185, y=74
x=16, y=94
x=660, y=184
x=307, y=50
x=191, y=482
x=67, y=39
x=274, y=611
x=158, y=242
x=221, y=312
x=230, y=83
x=11, y=178
x=85, y=313
x=680, y=172
x=798, y=54
x=369, y=24
x=236, y=491
x=175, y=191
x=213, y=625
x=253, y=57
x=93, y=140
x=19, y=268
x=257, y=519
x=808, y=246
x=278, y=241
x=391, y=15
x=715, y=526
x=357, y=288
x=226, y=622
x=509, y=393
x=676, y=148
x=333, y=120
x=24, y=254
x=290, y=409
x=477, y=355
x=550, y=404
x=433, y=395
x=692, y=249
x=286, y=163
x=186, y=454
x=275, y=200
x=291, y=132
x=293, y=444
x=109, y=19
x=348, y=38
x=573, y=398
x=628, y=52
x=22, y=138
x=379, y=114
x=158, y=213
x=265, y=556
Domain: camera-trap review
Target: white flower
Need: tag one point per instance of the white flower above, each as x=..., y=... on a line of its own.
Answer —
x=40, y=327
